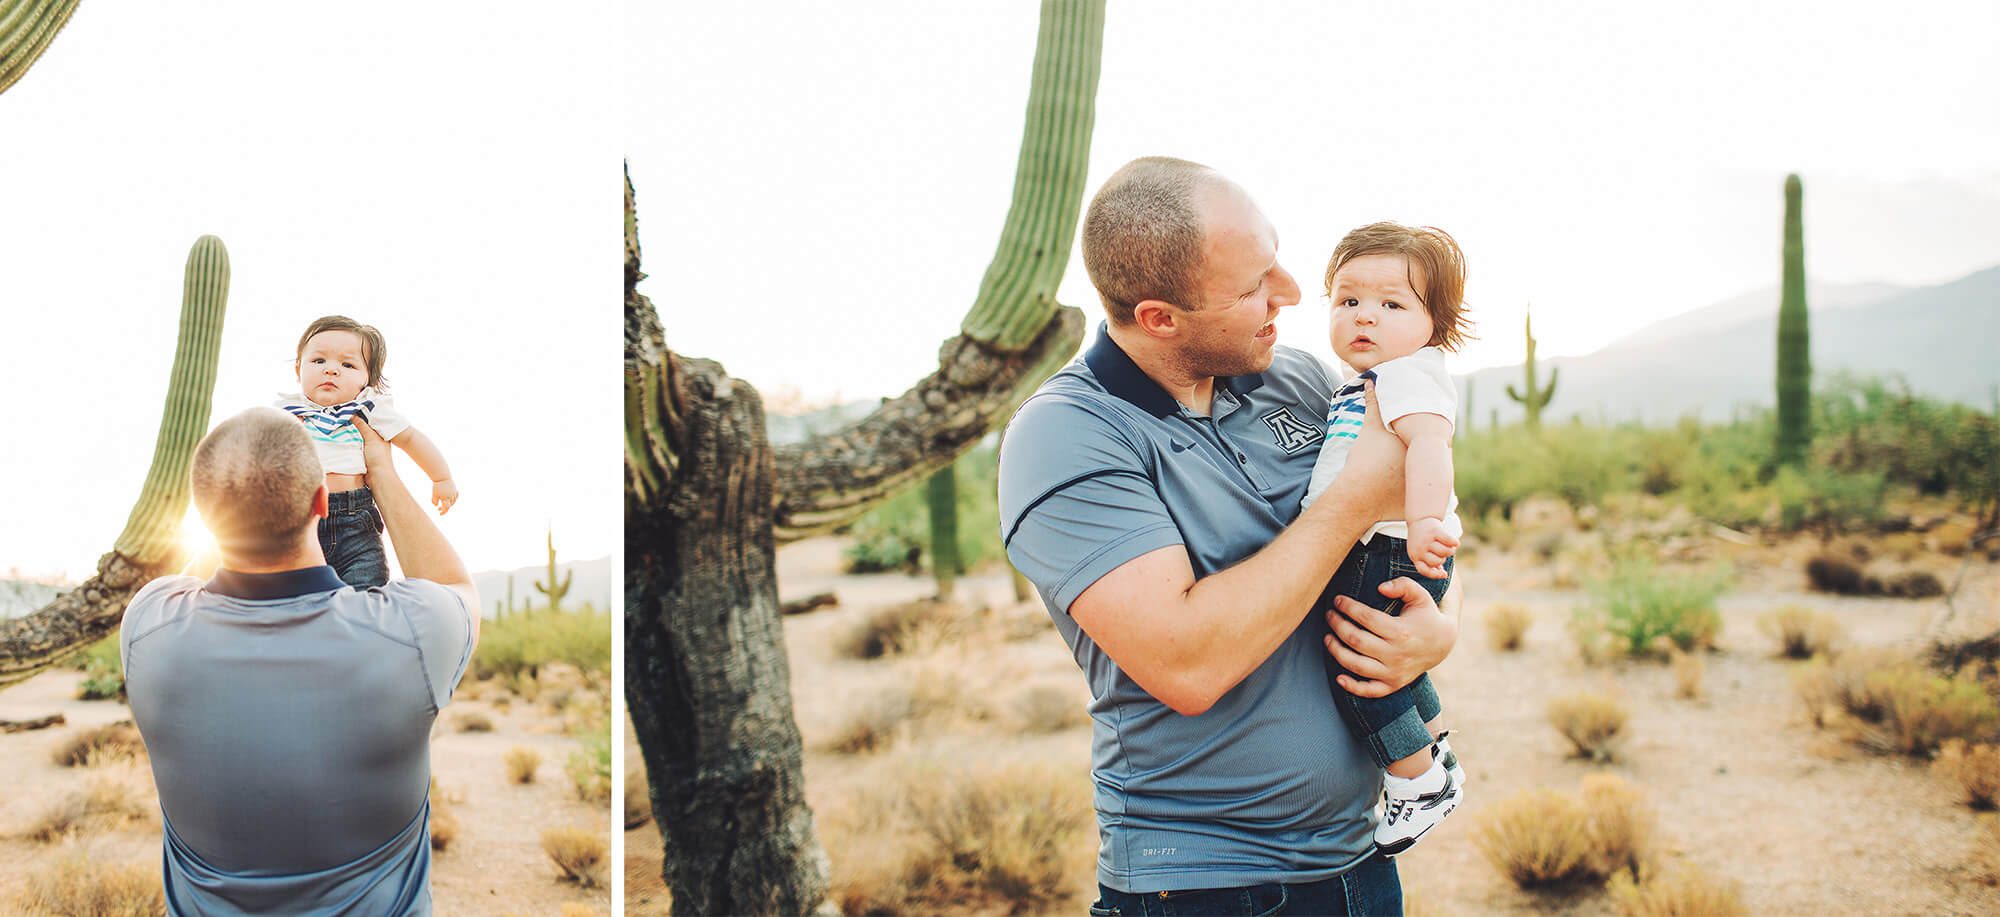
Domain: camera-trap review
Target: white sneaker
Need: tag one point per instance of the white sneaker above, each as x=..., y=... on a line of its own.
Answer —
x=1413, y=806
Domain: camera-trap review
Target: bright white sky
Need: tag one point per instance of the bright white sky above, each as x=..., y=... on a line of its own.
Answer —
x=441, y=170
x=822, y=185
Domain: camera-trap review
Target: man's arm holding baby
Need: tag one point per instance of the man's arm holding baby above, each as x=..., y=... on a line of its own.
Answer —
x=444, y=492
x=420, y=546
x=1427, y=478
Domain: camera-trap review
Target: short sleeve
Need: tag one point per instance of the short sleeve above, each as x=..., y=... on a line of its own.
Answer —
x=1416, y=384
x=1076, y=501
x=146, y=610
x=442, y=626
x=388, y=422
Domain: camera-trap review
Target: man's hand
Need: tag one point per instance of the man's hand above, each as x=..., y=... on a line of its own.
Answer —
x=1389, y=651
x=1429, y=546
x=375, y=452
x=1372, y=479
x=443, y=494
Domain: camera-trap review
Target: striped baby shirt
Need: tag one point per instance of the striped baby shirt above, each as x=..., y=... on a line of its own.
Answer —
x=331, y=428
x=1416, y=384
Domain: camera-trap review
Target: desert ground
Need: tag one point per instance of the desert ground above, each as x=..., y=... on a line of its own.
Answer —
x=494, y=863
x=1744, y=786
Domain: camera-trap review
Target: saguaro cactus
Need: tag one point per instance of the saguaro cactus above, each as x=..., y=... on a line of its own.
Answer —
x=1533, y=399
x=1794, y=338
x=707, y=498
x=26, y=28
x=941, y=497
x=554, y=589
x=150, y=544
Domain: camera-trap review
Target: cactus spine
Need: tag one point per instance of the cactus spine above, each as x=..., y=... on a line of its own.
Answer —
x=26, y=28
x=1533, y=398
x=1794, y=339
x=553, y=589
x=152, y=532
x=941, y=493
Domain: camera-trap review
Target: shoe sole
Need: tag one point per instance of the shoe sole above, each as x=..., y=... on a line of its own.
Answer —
x=1397, y=847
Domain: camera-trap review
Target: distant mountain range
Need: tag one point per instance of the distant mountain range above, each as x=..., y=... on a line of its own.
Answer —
x=590, y=582
x=1940, y=339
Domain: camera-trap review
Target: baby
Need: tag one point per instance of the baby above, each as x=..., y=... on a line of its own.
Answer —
x=339, y=363
x=1397, y=296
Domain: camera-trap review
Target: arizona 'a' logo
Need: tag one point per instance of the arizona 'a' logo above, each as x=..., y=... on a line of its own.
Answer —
x=1293, y=434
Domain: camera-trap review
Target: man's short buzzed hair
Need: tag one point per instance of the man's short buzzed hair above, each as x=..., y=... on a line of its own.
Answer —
x=254, y=477
x=1142, y=235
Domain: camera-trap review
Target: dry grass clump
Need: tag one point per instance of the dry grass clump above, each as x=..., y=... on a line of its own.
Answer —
x=1507, y=626
x=1593, y=722
x=521, y=764
x=638, y=800
x=77, y=886
x=1975, y=767
x=901, y=629
x=933, y=696
x=1844, y=576
x=1622, y=824
x=118, y=741
x=579, y=853
x=936, y=839
x=1683, y=892
x=444, y=821
x=1537, y=838
x=473, y=721
x=1688, y=670
x=105, y=803
x=1047, y=708
x=1894, y=704
x=1801, y=632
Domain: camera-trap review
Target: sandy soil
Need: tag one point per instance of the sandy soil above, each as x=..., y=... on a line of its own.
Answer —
x=1744, y=787
x=494, y=866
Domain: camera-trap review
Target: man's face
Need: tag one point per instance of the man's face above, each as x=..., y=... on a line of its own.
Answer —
x=1241, y=289
x=333, y=368
x=1377, y=316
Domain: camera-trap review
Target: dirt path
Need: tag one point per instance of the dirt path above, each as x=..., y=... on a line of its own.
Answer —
x=495, y=865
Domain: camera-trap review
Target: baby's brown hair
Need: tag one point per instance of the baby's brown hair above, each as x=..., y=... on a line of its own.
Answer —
x=374, y=351
x=1427, y=247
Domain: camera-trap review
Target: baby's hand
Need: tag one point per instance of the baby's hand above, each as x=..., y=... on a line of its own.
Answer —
x=1430, y=547
x=443, y=494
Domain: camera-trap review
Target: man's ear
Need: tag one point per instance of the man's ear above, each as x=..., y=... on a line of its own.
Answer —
x=1157, y=317
x=320, y=510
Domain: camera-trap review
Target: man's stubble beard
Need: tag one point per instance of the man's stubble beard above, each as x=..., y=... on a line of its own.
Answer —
x=1208, y=355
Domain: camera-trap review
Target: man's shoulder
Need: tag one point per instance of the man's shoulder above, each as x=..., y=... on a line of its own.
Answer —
x=156, y=597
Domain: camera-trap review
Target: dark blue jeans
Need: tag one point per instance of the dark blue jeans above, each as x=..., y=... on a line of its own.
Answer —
x=351, y=536
x=1392, y=726
x=1370, y=889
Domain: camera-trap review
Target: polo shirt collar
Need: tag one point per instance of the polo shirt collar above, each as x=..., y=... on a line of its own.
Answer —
x=281, y=585
x=1115, y=370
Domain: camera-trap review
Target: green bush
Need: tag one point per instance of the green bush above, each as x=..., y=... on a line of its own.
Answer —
x=103, y=670
x=896, y=534
x=1641, y=611
x=527, y=640
x=589, y=767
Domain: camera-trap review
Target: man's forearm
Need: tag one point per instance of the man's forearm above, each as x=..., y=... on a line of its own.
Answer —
x=420, y=545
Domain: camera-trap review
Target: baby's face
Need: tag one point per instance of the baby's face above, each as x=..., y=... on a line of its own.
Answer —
x=333, y=368
x=1377, y=316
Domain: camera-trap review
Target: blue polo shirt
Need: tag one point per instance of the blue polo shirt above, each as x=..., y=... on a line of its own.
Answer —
x=1100, y=466
x=288, y=720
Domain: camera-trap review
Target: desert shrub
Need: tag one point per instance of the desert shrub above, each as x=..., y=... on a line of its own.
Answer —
x=931, y=695
x=900, y=628
x=522, y=762
x=1682, y=892
x=1688, y=670
x=522, y=642
x=110, y=742
x=1827, y=499
x=1976, y=769
x=1047, y=708
x=105, y=803
x=1832, y=688
x=1643, y=611
x=1507, y=625
x=1622, y=824
x=1594, y=723
x=1836, y=574
x=1911, y=584
x=103, y=670
x=75, y=885
x=589, y=767
x=473, y=721
x=1801, y=633
x=1537, y=838
x=1921, y=710
x=896, y=533
x=444, y=821
x=579, y=853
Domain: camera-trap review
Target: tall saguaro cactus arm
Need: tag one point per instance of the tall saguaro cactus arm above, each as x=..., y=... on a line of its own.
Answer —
x=1794, y=338
x=1533, y=398
x=26, y=28
x=149, y=545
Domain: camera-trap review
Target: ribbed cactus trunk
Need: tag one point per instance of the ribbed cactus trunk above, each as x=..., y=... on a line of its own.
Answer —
x=26, y=28
x=150, y=544
x=707, y=498
x=1794, y=339
x=941, y=498
x=1533, y=398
